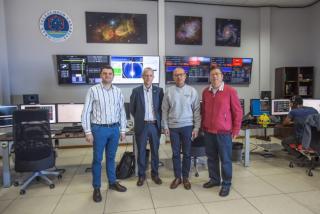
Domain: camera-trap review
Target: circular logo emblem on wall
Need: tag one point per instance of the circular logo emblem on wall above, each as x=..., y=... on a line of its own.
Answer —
x=56, y=25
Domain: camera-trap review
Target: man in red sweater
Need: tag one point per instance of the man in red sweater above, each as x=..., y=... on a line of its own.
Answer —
x=221, y=121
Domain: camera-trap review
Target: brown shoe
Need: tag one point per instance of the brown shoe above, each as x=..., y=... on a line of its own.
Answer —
x=186, y=183
x=117, y=187
x=175, y=183
x=156, y=179
x=140, y=181
x=96, y=195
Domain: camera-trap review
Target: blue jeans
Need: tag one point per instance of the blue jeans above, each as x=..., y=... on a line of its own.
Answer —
x=181, y=137
x=219, y=148
x=150, y=132
x=105, y=139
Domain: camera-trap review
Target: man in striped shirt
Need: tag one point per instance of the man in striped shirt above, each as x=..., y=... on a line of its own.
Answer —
x=104, y=121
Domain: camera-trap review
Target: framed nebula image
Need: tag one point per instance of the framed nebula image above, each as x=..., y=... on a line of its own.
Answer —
x=116, y=28
x=228, y=32
x=188, y=30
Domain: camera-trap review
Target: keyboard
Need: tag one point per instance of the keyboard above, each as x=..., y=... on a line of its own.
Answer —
x=72, y=129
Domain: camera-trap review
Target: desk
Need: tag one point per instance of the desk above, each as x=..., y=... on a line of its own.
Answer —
x=5, y=144
x=247, y=129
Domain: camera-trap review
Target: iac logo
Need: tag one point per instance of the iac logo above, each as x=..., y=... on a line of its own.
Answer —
x=56, y=25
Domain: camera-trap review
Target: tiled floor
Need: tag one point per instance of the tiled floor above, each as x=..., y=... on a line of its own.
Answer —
x=267, y=186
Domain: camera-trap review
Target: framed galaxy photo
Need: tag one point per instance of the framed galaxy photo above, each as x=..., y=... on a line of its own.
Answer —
x=228, y=32
x=188, y=30
x=116, y=28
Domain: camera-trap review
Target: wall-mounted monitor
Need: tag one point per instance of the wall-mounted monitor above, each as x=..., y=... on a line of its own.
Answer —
x=197, y=68
x=259, y=107
x=80, y=69
x=6, y=115
x=315, y=103
x=128, y=69
x=280, y=106
x=50, y=107
x=69, y=113
x=235, y=70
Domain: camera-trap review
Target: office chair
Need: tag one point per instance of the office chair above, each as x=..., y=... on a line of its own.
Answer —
x=33, y=147
x=198, y=150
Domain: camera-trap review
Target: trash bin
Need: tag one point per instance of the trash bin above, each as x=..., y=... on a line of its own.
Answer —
x=237, y=151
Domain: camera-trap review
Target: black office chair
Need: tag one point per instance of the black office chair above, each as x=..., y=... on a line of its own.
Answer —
x=198, y=150
x=32, y=146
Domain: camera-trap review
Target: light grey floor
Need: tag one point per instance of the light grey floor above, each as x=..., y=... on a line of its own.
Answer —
x=267, y=186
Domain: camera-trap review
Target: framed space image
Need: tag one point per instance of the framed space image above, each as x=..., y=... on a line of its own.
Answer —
x=116, y=28
x=228, y=32
x=188, y=30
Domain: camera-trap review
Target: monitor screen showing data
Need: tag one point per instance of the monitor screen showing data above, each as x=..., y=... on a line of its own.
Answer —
x=69, y=113
x=6, y=115
x=280, y=107
x=128, y=69
x=50, y=107
x=80, y=69
x=196, y=68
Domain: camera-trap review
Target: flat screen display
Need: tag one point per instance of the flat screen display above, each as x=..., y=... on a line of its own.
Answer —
x=50, y=107
x=6, y=115
x=80, y=69
x=235, y=70
x=280, y=107
x=197, y=68
x=128, y=69
x=69, y=113
x=259, y=107
x=315, y=103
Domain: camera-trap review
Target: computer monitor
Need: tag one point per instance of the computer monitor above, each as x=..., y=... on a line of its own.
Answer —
x=6, y=115
x=280, y=106
x=259, y=107
x=127, y=108
x=315, y=103
x=69, y=112
x=50, y=107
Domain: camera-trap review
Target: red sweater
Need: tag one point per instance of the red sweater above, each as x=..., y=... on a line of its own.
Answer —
x=222, y=112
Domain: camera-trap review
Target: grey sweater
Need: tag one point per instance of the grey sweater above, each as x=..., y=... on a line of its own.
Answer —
x=181, y=107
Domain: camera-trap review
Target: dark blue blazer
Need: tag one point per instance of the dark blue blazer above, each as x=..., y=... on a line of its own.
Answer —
x=137, y=107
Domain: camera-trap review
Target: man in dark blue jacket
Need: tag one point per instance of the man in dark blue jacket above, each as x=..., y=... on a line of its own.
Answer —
x=145, y=107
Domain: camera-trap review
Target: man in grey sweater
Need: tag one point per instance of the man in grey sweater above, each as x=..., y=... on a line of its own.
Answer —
x=181, y=121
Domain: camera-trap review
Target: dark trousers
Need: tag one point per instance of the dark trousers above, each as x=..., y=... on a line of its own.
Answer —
x=150, y=132
x=219, y=149
x=105, y=139
x=181, y=137
x=286, y=144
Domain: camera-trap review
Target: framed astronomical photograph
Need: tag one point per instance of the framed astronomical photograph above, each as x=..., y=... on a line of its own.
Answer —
x=228, y=32
x=188, y=30
x=116, y=28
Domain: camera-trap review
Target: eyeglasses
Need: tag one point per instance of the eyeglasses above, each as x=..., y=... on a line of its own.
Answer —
x=179, y=75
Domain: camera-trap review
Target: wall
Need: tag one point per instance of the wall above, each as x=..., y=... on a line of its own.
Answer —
x=31, y=62
x=291, y=39
x=316, y=47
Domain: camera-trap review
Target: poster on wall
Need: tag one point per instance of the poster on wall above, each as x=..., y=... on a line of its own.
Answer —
x=116, y=28
x=228, y=32
x=56, y=25
x=188, y=30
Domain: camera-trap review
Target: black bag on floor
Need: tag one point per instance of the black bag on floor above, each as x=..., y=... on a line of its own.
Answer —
x=125, y=168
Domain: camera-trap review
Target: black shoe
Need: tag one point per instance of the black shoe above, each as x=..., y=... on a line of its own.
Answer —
x=224, y=191
x=96, y=195
x=156, y=179
x=140, y=181
x=210, y=184
x=117, y=187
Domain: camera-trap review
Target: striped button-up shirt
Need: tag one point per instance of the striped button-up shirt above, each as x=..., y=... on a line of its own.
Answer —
x=103, y=106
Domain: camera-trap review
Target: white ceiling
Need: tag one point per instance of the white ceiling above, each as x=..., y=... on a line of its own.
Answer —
x=256, y=3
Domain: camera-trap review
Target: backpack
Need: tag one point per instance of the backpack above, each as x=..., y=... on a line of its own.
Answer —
x=126, y=166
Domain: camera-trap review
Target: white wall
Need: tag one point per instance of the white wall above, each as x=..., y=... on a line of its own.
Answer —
x=291, y=39
x=31, y=62
x=315, y=26
x=250, y=18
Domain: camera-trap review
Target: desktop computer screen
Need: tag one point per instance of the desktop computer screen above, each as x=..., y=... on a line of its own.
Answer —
x=280, y=107
x=315, y=103
x=69, y=113
x=6, y=115
x=50, y=107
x=259, y=107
